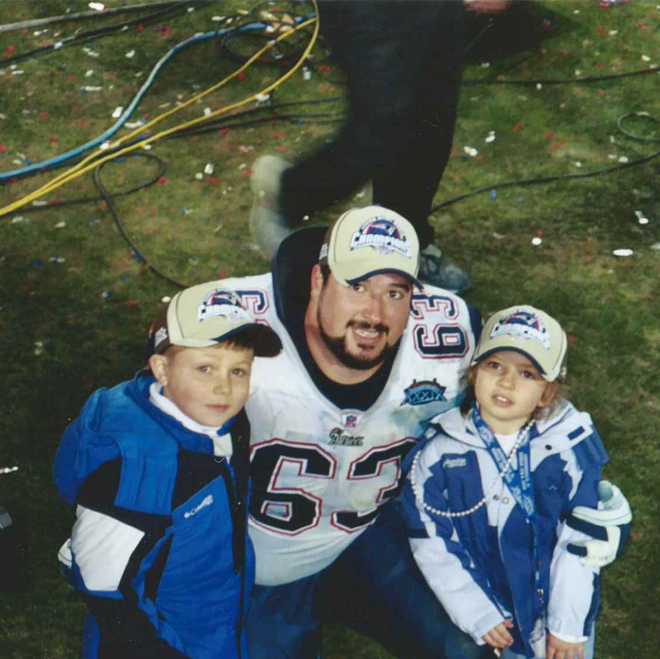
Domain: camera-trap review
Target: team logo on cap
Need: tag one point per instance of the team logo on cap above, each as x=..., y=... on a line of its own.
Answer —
x=223, y=303
x=522, y=325
x=383, y=235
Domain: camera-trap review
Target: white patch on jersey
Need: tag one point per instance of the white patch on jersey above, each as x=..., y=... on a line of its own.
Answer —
x=102, y=547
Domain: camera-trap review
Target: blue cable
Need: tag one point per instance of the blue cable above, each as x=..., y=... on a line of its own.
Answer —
x=59, y=161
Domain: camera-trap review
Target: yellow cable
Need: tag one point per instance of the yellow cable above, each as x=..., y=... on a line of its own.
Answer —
x=95, y=159
x=63, y=178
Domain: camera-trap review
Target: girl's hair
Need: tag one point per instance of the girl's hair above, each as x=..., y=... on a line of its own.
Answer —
x=559, y=393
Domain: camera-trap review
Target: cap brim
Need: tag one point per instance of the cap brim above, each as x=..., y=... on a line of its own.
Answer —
x=265, y=341
x=529, y=356
x=387, y=271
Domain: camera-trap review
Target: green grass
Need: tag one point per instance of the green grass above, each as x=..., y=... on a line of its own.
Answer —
x=90, y=310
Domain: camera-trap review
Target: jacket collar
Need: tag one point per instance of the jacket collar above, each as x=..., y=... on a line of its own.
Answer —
x=566, y=428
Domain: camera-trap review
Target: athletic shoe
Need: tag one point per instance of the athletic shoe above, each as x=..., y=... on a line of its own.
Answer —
x=268, y=224
x=436, y=270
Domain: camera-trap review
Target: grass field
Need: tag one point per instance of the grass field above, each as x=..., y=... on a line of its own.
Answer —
x=75, y=299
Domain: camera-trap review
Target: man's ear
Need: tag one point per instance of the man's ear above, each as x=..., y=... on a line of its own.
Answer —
x=159, y=367
x=316, y=281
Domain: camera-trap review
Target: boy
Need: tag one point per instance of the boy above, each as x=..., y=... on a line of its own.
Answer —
x=490, y=495
x=158, y=470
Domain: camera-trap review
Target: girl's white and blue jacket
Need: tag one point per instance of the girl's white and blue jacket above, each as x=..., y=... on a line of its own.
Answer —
x=481, y=566
x=159, y=547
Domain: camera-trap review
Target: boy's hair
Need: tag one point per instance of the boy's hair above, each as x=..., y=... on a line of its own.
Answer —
x=209, y=314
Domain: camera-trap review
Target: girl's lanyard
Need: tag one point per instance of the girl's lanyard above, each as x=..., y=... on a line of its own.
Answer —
x=519, y=482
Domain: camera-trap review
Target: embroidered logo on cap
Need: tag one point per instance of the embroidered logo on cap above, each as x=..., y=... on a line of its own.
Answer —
x=383, y=235
x=522, y=325
x=223, y=303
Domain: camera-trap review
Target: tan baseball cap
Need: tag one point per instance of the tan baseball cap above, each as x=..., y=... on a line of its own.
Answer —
x=368, y=241
x=204, y=315
x=529, y=331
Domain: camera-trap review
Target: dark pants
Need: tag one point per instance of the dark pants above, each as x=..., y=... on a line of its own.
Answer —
x=403, y=62
x=375, y=588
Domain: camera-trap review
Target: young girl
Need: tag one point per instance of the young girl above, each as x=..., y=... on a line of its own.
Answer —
x=490, y=494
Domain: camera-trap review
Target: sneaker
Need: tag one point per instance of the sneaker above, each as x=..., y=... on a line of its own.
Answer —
x=436, y=270
x=268, y=224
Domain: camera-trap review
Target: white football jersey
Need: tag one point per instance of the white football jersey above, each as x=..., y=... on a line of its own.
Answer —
x=320, y=473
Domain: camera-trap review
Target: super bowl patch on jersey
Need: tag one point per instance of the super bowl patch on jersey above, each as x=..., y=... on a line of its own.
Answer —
x=423, y=392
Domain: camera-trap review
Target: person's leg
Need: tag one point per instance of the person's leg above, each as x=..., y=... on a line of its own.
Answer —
x=282, y=621
x=385, y=50
x=376, y=588
x=409, y=182
x=359, y=34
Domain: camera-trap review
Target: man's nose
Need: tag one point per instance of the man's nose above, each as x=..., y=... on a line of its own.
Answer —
x=374, y=308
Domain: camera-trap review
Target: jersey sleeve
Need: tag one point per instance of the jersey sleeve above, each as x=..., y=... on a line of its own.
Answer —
x=574, y=587
x=442, y=559
x=108, y=546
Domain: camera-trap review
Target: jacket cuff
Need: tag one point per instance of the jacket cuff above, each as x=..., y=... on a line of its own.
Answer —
x=565, y=631
x=484, y=624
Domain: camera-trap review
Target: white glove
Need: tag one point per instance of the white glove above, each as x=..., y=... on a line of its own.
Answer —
x=608, y=525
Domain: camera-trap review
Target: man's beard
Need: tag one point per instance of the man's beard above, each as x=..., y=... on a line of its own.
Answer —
x=337, y=346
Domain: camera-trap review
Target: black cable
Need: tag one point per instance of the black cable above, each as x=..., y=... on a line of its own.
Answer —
x=646, y=116
x=284, y=54
x=543, y=181
x=108, y=198
x=564, y=81
x=92, y=35
x=38, y=22
x=87, y=200
x=238, y=119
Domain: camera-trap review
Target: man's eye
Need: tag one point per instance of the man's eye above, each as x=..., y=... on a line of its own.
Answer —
x=204, y=369
x=358, y=288
x=396, y=295
x=240, y=372
x=530, y=375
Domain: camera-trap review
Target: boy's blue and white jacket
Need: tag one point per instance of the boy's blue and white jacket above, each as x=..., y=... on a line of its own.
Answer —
x=481, y=565
x=159, y=547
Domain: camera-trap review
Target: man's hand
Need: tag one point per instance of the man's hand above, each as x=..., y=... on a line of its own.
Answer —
x=558, y=649
x=608, y=525
x=499, y=637
x=487, y=6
